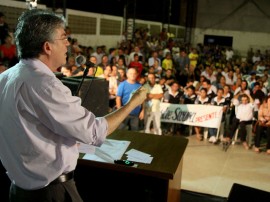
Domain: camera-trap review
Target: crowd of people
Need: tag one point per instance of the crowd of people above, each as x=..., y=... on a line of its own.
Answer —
x=180, y=73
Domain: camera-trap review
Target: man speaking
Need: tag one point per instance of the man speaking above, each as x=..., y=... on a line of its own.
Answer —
x=40, y=120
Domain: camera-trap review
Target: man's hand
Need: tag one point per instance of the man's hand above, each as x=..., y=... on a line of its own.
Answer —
x=138, y=97
x=141, y=115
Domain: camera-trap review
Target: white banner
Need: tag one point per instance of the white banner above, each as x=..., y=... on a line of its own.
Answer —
x=192, y=114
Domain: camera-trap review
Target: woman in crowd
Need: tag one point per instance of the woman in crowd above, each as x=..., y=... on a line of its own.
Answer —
x=243, y=89
x=264, y=124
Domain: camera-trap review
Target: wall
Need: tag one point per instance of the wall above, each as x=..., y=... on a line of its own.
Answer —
x=246, y=21
x=91, y=29
x=242, y=41
x=78, y=21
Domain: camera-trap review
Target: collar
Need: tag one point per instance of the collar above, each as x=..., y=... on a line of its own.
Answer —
x=37, y=65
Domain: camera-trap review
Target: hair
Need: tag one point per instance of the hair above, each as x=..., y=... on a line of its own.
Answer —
x=207, y=81
x=131, y=69
x=191, y=87
x=163, y=77
x=121, y=57
x=175, y=82
x=220, y=89
x=245, y=81
x=152, y=74
x=245, y=96
x=266, y=98
x=204, y=89
x=227, y=86
x=34, y=28
x=112, y=61
x=111, y=50
x=190, y=80
x=257, y=83
x=202, y=76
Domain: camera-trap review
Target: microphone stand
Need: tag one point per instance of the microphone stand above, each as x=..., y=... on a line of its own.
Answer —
x=85, y=72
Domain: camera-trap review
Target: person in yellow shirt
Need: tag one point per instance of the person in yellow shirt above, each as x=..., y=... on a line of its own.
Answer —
x=96, y=71
x=193, y=57
x=167, y=63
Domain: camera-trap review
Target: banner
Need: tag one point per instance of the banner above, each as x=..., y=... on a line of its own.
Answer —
x=192, y=114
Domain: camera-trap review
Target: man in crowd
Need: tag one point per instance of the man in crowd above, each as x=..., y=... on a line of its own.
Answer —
x=124, y=91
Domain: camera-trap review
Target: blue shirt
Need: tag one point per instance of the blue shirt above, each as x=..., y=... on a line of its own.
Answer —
x=40, y=124
x=124, y=91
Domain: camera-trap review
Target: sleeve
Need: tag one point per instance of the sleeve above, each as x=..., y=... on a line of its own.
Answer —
x=166, y=96
x=63, y=114
x=235, y=102
x=196, y=100
x=212, y=102
x=260, y=114
x=160, y=89
x=120, y=89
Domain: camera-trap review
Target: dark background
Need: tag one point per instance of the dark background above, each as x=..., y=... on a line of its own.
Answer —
x=152, y=10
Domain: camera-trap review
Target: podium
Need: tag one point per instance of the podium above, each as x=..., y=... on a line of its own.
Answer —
x=159, y=181
x=156, y=182
x=94, y=93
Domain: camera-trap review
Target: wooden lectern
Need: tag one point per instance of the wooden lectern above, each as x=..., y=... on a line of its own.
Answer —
x=105, y=182
x=158, y=181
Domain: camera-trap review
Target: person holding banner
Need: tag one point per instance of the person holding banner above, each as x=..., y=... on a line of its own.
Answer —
x=219, y=100
x=228, y=95
x=173, y=96
x=189, y=96
x=205, y=100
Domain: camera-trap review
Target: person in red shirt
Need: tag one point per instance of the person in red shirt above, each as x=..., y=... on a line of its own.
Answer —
x=8, y=51
x=137, y=65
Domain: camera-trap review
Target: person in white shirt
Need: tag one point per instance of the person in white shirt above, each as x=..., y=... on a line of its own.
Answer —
x=152, y=105
x=136, y=51
x=229, y=54
x=152, y=59
x=98, y=54
x=244, y=113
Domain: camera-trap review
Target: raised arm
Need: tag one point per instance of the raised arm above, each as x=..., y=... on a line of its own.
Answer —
x=115, y=118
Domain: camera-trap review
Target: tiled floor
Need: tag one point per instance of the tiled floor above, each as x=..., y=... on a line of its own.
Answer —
x=208, y=169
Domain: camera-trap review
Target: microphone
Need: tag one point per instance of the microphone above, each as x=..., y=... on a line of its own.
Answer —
x=81, y=60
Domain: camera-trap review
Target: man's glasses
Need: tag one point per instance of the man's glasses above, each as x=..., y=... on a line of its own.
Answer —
x=63, y=39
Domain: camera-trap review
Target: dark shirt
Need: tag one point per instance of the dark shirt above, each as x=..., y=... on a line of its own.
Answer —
x=222, y=102
x=3, y=32
x=259, y=94
x=189, y=100
x=181, y=63
x=174, y=99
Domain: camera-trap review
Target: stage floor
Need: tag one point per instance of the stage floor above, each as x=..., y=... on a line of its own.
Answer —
x=209, y=169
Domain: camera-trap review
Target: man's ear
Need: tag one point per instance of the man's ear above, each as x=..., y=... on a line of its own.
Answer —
x=47, y=48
